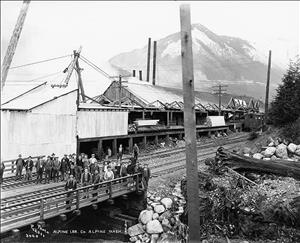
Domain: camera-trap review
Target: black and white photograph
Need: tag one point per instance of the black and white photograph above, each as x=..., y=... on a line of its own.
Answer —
x=150, y=121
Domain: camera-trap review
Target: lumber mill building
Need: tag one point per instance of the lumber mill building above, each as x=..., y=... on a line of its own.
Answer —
x=46, y=119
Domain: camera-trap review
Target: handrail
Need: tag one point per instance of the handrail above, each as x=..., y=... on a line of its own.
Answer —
x=65, y=192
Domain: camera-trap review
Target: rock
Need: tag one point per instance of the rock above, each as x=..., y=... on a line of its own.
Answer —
x=154, y=227
x=292, y=147
x=133, y=239
x=165, y=215
x=274, y=157
x=276, y=142
x=154, y=238
x=247, y=155
x=136, y=229
x=244, y=241
x=167, y=238
x=297, y=151
x=155, y=216
x=157, y=199
x=180, y=210
x=281, y=151
x=146, y=216
x=166, y=224
x=159, y=209
x=204, y=241
x=257, y=156
x=269, y=151
x=167, y=202
x=138, y=241
x=266, y=158
x=271, y=144
x=286, y=142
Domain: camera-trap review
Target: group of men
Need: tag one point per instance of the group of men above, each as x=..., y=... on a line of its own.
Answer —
x=83, y=169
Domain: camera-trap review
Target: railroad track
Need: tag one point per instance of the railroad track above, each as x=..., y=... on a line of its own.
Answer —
x=157, y=170
x=11, y=183
x=19, y=204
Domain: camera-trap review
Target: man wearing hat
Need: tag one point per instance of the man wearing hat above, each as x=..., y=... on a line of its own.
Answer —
x=52, y=158
x=19, y=164
x=146, y=175
x=64, y=167
x=28, y=168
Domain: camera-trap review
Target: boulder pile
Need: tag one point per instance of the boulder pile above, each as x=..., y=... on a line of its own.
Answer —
x=160, y=222
x=277, y=149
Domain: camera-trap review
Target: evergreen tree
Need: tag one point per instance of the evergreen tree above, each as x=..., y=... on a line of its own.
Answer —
x=286, y=106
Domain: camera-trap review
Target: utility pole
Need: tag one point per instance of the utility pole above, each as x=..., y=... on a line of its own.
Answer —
x=219, y=90
x=78, y=70
x=190, y=124
x=13, y=42
x=154, y=62
x=148, y=59
x=267, y=87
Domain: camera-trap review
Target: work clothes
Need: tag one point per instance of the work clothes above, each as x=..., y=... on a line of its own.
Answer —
x=28, y=167
x=70, y=186
x=109, y=175
x=19, y=164
x=39, y=166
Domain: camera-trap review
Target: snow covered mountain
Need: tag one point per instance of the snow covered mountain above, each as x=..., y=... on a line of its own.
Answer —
x=229, y=60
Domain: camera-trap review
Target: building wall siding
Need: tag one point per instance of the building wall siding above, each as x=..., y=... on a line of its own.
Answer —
x=102, y=123
x=41, y=131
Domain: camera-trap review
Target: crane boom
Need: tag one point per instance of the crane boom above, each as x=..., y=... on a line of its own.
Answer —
x=13, y=42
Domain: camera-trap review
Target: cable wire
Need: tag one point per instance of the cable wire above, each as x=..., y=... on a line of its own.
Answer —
x=33, y=63
x=94, y=66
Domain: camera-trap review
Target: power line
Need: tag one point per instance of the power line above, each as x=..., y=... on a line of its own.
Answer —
x=33, y=80
x=219, y=90
x=33, y=63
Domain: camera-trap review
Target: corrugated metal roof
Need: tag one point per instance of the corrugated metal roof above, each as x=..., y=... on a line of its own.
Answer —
x=98, y=106
x=38, y=96
x=150, y=94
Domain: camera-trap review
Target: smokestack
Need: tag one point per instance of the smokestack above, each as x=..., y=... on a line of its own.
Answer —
x=141, y=77
x=154, y=62
x=148, y=59
x=133, y=73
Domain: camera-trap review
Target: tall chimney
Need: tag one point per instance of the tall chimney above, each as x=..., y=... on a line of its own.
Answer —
x=148, y=59
x=154, y=62
x=133, y=73
x=141, y=77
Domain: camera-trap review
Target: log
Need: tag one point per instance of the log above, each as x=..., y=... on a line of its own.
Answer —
x=279, y=167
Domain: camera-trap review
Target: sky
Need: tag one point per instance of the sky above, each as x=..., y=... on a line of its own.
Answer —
x=105, y=29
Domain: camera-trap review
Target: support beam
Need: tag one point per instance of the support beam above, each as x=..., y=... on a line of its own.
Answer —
x=189, y=124
x=168, y=118
x=100, y=149
x=130, y=144
x=78, y=70
x=140, y=75
x=145, y=141
x=148, y=60
x=143, y=115
x=156, y=140
x=114, y=147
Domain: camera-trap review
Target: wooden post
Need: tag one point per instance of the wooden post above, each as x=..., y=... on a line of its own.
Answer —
x=78, y=70
x=190, y=124
x=145, y=141
x=13, y=42
x=100, y=149
x=148, y=59
x=133, y=73
x=140, y=75
x=130, y=144
x=77, y=200
x=143, y=115
x=156, y=140
x=154, y=63
x=110, y=189
x=114, y=147
x=267, y=87
x=42, y=209
x=168, y=119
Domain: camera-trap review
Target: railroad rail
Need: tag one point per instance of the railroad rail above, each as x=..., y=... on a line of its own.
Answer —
x=21, y=210
x=31, y=211
x=11, y=182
